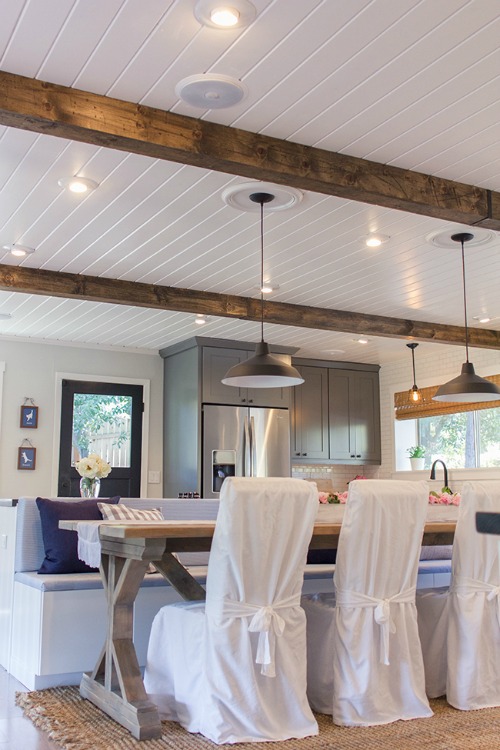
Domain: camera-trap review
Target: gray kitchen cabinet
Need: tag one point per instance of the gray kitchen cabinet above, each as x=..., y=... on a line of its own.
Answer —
x=193, y=371
x=310, y=415
x=216, y=363
x=354, y=417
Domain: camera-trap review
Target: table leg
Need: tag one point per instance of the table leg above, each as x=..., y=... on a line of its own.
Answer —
x=116, y=684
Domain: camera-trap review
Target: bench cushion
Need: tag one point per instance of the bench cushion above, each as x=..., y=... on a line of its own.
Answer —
x=61, y=547
x=84, y=581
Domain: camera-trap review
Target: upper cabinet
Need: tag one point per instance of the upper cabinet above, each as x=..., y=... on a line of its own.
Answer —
x=336, y=415
x=216, y=362
x=310, y=415
x=354, y=416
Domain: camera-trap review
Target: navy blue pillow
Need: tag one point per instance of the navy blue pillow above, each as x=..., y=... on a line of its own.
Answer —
x=321, y=556
x=61, y=546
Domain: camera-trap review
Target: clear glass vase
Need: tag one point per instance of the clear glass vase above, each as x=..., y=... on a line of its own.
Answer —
x=89, y=487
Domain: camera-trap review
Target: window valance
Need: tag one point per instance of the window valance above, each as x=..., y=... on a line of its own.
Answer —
x=426, y=407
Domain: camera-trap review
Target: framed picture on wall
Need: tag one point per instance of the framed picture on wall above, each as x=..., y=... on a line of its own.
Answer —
x=29, y=416
x=26, y=458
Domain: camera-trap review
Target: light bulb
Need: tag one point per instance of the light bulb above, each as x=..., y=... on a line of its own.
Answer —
x=415, y=394
x=225, y=16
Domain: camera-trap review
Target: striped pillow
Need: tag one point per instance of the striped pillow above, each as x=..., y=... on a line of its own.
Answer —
x=124, y=513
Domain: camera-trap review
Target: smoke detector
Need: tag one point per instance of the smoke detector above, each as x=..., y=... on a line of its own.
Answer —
x=210, y=91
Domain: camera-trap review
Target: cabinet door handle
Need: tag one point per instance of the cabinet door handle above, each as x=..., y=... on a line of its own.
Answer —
x=297, y=454
x=352, y=455
x=358, y=455
x=243, y=400
x=304, y=454
x=250, y=400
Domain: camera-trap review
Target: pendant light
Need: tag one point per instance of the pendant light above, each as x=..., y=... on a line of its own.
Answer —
x=263, y=370
x=468, y=387
x=415, y=394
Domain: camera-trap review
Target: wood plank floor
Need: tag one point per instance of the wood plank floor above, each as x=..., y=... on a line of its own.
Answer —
x=17, y=732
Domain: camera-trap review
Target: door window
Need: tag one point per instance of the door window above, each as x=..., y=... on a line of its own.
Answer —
x=104, y=419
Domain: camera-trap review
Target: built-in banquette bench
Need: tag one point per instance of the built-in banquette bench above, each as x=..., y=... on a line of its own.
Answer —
x=52, y=627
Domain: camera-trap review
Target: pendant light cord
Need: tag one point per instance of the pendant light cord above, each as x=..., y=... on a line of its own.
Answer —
x=465, y=306
x=262, y=271
x=413, y=360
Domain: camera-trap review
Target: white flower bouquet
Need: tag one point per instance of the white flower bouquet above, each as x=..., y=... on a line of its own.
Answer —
x=93, y=467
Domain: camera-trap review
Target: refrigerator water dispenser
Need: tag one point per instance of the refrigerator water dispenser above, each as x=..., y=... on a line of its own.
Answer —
x=223, y=465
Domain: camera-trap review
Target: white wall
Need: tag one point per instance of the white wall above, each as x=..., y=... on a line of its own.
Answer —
x=30, y=371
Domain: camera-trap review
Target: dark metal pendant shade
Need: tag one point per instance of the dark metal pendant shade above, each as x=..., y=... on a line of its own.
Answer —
x=468, y=387
x=263, y=370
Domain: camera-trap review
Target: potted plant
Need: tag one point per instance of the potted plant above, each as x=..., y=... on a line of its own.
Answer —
x=416, y=453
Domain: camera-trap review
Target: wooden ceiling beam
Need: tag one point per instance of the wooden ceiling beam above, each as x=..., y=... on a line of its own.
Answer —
x=43, y=107
x=137, y=294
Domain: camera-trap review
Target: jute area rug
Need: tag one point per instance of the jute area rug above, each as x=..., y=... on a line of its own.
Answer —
x=76, y=724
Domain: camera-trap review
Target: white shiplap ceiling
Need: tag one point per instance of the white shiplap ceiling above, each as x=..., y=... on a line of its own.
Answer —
x=414, y=84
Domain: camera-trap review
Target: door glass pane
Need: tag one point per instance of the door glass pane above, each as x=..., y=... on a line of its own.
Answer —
x=102, y=425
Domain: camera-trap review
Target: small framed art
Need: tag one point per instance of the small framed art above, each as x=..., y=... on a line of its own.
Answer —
x=26, y=458
x=29, y=416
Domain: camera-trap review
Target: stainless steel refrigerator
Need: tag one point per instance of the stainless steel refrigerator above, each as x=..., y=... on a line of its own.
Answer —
x=243, y=441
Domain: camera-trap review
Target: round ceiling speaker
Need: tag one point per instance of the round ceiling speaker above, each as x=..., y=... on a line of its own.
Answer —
x=238, y=196
x=210, y=91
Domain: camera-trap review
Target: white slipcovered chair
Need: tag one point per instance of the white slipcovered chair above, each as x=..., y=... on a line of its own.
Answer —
x=460, y=627
x=364, y=661
x=233, y=668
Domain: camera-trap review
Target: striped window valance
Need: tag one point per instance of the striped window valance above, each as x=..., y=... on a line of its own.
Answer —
x=426, y=407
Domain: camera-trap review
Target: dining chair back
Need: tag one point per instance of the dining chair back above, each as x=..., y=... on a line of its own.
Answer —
x=463, y=623
x=373, y=673
x=234, y=668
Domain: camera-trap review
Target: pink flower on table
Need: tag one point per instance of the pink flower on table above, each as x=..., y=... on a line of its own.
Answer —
x=323, y=497
x=342, y=497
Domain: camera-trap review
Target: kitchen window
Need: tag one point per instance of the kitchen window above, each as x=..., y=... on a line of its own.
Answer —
x=464, y=440
x=464, y=436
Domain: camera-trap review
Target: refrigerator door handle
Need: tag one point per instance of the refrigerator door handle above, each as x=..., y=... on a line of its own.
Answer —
x=253, y=447
x=247, y=450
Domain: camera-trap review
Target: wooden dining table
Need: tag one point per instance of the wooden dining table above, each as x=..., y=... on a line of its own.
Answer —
x=127, y=549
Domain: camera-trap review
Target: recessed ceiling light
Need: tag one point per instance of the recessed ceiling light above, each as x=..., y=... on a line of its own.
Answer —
x=268, y=288
x=200, y=319
x=5, y=316
x=482, y=318
x=334, y=351
x=235, y=15
x=375, y=240
x=20, y=251
x=361, y=341
x=77, y=184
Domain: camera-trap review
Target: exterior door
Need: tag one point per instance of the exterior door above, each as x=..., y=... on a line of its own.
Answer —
x=106, y=419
